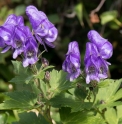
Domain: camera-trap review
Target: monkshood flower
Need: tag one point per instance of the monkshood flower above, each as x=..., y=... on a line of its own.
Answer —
x=30, y=50
x=91, y=70
x=102, y=67
x=5, y=38
x=12, y=35
x=96, y=67
x=71, y=65
x=90, y=62
x=44, y=31
x=19, y=43
x=104, y=46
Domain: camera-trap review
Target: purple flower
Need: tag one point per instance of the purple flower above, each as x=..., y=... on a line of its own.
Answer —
x=12, y=34
x=90, y=62
x=72, y=62
x=104, y=46
x=14, y=20
x=30, y=50
x=91, y=50
x=97, y=50
x=91, y=70
x=44, y=31
x=19, y=43
x=102, y=66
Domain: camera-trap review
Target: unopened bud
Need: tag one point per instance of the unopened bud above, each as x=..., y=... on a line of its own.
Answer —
x=47, y=75
x=45, y=62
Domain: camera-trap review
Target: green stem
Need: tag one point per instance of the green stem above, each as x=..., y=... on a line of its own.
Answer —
x=34, y=69
x=94, y=96
x=44, y=115
x=40, y=87
x=118, y=22
x=16, y=114
x=41, y=54
x=47, y=113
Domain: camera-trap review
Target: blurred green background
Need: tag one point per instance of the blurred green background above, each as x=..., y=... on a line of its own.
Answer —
x=73, y=19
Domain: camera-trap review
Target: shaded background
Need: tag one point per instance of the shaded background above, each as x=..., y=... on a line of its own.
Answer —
x=73, y=19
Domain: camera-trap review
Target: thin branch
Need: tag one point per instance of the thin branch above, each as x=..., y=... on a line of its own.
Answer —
x=98, y=7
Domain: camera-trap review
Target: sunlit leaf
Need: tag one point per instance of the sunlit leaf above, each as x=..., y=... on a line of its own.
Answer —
x=82, y=117
x=108, y=96
x=108, y=16
x=58, y=81
x=79, y=11
x=110, y=116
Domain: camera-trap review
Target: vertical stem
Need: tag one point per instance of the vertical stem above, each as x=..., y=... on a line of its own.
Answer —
x=94, y=96
x=45, y=113
x=45, y=116
x=16, y=114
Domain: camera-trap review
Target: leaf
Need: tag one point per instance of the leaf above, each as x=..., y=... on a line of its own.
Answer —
x=103, y=83
x=23, y=74
x=18, y=67
x=44, y=88
x=30, y=118
x=41, y=73
x=108, y=95
x=113, y=25
x=58, y=81
x=22, y=78
x=110, y=116
x=117, y=96
x=119, y=112
x=19, y=100
x=80, y=91
x=64, y=101
x=108, y=16
x=79, y=11
x=82, y=117
x=114, y=116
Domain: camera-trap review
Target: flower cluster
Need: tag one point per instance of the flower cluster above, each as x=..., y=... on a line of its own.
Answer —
x=44, y=31
x=97, y=51
x=96, y=66
x=18, y=37
x=72, y=61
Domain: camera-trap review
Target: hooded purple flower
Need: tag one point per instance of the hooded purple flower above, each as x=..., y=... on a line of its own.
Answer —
x=30, y=50
x=102, y=67
x=90, y=62
x=13, y=35
x=104, y=46
x=91, y=70
x=44, y=31
x=72, y=62
x=96, y=67
x=6, y=37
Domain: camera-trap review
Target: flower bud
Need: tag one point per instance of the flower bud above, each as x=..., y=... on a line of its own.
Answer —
x=45, y=62
x=47, y=75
